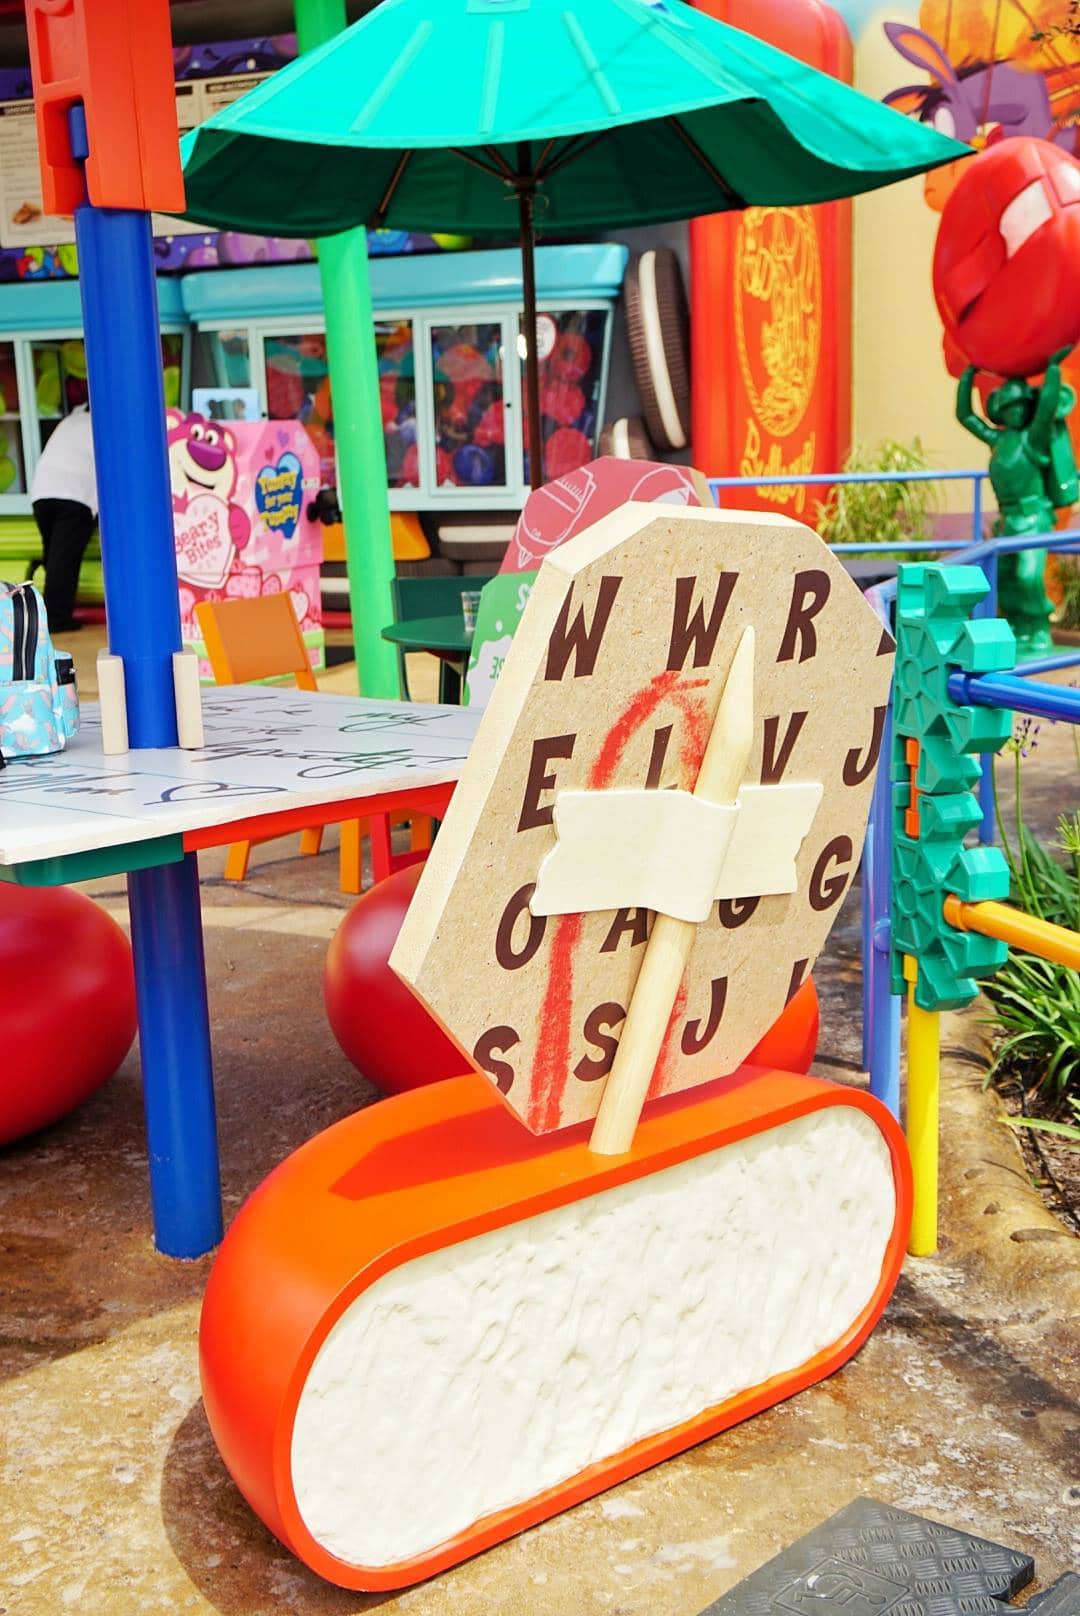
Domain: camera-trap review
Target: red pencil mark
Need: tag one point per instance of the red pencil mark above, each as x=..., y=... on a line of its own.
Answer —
x=551, y=1060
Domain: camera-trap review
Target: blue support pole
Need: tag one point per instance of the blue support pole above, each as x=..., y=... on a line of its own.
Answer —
x=174, y=1044
x=123, y=366
x=127, y=400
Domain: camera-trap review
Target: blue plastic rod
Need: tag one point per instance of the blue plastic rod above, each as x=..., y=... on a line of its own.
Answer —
x=1015, y=691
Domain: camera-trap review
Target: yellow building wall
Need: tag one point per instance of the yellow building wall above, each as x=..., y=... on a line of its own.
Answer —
x=901, y=387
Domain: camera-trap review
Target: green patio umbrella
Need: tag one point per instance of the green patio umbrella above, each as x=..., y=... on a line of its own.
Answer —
x=490, y=116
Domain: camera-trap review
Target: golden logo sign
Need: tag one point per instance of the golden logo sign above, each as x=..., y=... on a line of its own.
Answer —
x=778, y=313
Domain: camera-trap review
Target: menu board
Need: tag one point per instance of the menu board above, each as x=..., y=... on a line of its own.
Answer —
x=23, y=221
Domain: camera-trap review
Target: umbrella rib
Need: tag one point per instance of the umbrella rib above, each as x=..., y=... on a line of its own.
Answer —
x=477, y=162
x=538, y=169
x=500, y=162
x=706, y=163
x=576, y=147
x=402, y=164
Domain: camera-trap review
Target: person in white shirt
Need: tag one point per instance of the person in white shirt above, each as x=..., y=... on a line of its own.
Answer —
x=63, y=491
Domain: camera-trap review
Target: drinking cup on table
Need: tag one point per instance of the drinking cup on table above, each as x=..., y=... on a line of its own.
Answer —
x=470, y=602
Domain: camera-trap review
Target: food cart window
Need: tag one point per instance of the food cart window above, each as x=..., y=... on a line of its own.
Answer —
x=12, y=471
x=298, y=389
x=172, y=363
x=59, y=366
x=221, y=359
x=60, y=385
x=571, y=351
x=469, y=405
x=397, y=392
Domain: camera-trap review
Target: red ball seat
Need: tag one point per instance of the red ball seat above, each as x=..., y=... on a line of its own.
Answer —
x=67, y=1004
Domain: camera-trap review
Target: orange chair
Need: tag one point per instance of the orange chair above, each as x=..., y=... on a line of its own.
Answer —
x=259, y=638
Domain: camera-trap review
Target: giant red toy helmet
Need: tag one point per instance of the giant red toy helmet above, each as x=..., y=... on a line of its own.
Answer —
x=1005, y=264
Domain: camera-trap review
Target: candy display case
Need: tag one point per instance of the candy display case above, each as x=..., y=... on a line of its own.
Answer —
x=42, y=377
x=450, y=349
x=43, y=373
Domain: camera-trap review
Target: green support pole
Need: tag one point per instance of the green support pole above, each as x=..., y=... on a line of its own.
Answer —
x=354, y=383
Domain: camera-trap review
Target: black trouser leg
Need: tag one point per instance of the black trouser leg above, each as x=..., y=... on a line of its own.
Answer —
x=66, y=528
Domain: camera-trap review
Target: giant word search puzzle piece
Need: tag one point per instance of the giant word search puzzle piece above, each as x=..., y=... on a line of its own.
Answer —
x=461, y=1310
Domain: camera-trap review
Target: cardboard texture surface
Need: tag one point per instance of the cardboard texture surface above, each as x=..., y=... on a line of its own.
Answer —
x=612, y=682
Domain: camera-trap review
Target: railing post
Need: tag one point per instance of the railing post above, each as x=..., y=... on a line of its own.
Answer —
x=987, y=607
x=881, y=1007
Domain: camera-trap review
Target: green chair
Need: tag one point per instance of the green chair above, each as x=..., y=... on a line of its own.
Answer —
x=422, y=598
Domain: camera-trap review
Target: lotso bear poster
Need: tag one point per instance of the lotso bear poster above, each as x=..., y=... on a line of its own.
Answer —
x=240, y=495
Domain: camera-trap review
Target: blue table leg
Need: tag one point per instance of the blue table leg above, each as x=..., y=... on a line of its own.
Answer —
x=174, y=1041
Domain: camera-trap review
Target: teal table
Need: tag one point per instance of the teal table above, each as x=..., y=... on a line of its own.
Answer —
x=447, y=637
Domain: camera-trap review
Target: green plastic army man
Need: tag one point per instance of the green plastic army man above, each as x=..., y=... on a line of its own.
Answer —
x=1033, y=473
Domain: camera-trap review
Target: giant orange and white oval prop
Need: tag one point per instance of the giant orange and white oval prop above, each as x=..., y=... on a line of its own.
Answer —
x=433, y=1325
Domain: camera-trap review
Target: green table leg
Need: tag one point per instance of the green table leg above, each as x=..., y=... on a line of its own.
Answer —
x=354, y=383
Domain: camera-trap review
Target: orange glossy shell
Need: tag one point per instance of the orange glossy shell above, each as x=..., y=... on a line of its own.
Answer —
x=424, y=1170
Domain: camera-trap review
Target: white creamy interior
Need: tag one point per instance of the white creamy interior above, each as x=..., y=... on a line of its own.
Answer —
x=478, y=1376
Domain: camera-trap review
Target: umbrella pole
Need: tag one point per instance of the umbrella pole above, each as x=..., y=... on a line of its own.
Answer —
x=526, y=190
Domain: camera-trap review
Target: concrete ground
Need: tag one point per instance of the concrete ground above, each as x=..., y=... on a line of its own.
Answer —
x=963, y=1404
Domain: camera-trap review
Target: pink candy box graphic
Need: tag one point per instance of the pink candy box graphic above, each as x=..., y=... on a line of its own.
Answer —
x=240, y=493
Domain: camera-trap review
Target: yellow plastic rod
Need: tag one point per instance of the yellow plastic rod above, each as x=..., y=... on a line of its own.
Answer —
x=923, y=1091
x=1010, y=925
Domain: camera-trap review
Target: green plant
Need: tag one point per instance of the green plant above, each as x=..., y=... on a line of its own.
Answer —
x=1036, y=1004
x=1068, y=613
x=881, y=513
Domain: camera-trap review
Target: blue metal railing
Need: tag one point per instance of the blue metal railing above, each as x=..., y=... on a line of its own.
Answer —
x=881, y=1008
x=829, y=479
x=1020, y=689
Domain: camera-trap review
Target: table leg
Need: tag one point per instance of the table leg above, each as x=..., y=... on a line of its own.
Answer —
x=174, y=1043
x=451, y=677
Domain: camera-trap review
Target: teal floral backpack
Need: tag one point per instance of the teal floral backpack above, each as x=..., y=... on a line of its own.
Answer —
x=39, y=701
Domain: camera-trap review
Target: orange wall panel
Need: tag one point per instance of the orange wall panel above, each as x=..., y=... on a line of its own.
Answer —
x=770, y=301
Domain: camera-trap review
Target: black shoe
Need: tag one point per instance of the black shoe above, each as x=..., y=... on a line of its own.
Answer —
x=70, y=627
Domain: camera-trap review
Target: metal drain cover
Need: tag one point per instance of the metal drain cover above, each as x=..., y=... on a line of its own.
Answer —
x=872, y=1560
